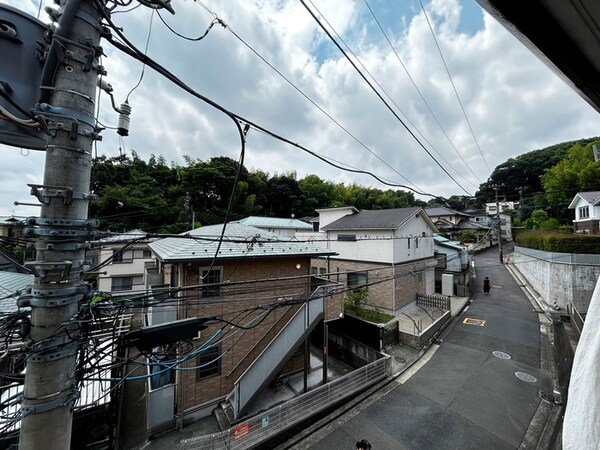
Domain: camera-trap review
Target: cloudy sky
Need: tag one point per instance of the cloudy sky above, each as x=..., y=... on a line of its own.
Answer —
x=514, y=103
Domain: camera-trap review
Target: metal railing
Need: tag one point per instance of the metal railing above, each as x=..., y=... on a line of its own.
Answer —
x=577, y=318
x=264, y=426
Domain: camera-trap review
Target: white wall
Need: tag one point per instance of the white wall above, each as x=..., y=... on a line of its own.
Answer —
x=133, y=267
x=414, y=230
x=375, y=246
x=327, y=216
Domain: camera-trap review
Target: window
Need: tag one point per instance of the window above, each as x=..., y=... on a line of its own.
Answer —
x=408, y=243
x=346, y=237
x=315, y=226
x=125, y=283
x=584, y=212
x=120, y=256
x=208, y=363
x=416, y=242
x=357, y=279
x=322, y=271
x=146, y=254
x=212, y=280
x=314, y=271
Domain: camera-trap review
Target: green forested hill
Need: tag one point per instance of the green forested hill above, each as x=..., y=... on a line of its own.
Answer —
x=160, y=197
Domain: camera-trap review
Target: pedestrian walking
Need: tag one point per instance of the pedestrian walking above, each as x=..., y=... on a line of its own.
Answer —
x=486, y=285
x=363, y=445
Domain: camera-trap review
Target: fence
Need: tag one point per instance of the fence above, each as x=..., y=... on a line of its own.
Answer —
x=268, y=424
x=434, y=301
x=577, y=318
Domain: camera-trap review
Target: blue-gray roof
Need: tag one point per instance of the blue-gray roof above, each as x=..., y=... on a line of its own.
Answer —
x=239, y=241
x=275, y=222
x=380, y=219
x=10, y=284
x=443, y=211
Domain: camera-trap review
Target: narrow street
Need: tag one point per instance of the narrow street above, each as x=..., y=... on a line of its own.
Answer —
x=480, y=389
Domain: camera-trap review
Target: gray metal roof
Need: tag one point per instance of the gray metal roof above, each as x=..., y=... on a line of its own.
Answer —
x=443, y=211
x=124, y=237
x=10, y=283
x=275, y=222
x=381, y=219
x=592, y=197
x=239, y=241
x=470, y=225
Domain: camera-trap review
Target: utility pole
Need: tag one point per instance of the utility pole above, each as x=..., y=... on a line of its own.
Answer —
x=62, y=228
x=520, y=189
x=495, y=187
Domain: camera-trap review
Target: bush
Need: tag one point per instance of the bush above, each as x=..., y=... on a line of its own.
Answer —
x=551, y=241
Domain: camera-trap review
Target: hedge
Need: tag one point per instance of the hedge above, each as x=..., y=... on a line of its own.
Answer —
x=551, y=241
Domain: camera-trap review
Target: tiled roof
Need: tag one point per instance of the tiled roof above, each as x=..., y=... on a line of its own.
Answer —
x=274, y=222
x=385, y=219
x=240, y=241
x=443, y=211
x=10, y=283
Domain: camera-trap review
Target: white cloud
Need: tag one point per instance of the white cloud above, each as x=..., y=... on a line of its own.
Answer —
x=514, y=102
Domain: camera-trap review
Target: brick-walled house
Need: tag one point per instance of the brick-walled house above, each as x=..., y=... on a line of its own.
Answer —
x=587, y=212
x=391, y=251
x=256, y=280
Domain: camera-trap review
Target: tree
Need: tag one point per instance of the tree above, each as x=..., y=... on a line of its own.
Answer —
x=356, y=299
x=577, y=172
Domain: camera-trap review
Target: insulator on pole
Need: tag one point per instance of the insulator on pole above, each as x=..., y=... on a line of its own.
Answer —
x=123, y=124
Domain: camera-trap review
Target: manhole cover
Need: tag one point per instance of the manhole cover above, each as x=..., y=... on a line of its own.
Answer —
x=476, y=322
x=525, y=377
x=399, y=359
x=501, y=355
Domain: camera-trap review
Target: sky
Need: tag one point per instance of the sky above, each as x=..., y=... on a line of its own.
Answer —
x=513, y=102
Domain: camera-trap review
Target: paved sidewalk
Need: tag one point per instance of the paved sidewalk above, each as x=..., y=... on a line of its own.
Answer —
x=479, y=389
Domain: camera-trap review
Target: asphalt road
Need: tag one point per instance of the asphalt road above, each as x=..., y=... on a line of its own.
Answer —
x=464, y=397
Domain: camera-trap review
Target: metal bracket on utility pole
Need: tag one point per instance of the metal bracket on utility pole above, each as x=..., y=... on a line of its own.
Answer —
x=28, y=408
x=52, y=356
x=58, y=191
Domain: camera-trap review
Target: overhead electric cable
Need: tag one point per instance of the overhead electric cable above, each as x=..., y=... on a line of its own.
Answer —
x=453, y=86
x=420, y=93
x=388, y=95
x=132, y=51
x=316, y=105
x=380, y=96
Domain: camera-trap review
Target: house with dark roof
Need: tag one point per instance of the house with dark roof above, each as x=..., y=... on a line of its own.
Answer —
x=587, y=212
x=262, y=303
x=389, y=252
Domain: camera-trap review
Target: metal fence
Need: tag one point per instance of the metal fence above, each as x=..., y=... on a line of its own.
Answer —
x=434, y=301
x=268, y=424
x=560, y=258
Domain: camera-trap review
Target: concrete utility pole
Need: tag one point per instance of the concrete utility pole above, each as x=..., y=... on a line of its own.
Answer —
x=62, y=229
x=520, y=189
x=495, y=187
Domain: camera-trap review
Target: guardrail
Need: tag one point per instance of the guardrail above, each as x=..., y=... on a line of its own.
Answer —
x=268, y=424
x=577, y=319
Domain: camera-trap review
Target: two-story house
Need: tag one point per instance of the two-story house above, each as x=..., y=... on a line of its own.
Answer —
x=389, y=252
x=258, y=298
x=123, y=259
x=587, y=212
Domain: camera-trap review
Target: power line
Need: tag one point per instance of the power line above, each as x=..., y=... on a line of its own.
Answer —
x=421, y=95
x=380, y=97
x=132, y=51
x=316, y=105
x=453, y=86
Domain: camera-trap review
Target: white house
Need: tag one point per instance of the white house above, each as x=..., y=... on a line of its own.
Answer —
x=125, y=257
x=587, y=212
x=390, y=252
x=490, y=208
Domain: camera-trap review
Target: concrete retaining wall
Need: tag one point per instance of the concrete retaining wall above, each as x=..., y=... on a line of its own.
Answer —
x=557, y=281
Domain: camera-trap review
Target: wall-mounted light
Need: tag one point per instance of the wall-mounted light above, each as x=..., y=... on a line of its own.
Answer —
x=298, y=266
